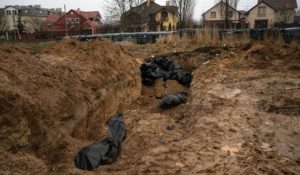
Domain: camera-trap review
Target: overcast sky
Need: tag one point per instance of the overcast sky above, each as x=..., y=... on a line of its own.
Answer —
x=98, y=5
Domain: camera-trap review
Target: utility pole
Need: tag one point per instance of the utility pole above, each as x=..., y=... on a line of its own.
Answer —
x=66, y=25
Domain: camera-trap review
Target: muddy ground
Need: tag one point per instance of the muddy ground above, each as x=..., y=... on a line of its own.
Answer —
x=242, y=115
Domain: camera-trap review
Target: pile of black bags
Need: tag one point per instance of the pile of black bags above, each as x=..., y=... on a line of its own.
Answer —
x=106, y=150
x=164, y=68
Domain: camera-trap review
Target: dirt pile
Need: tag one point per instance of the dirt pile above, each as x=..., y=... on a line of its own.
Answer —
x=54, y=102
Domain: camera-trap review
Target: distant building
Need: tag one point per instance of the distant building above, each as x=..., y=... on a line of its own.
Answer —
x=268, y=13
x=150, y=16
x=215, y=17
x=25, y=19
x=74, y=22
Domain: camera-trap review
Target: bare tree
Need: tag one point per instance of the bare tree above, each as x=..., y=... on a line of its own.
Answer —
x=233, y=3
x=225, y=12
x=285, y=17
x=185, y=12
x=115, y=8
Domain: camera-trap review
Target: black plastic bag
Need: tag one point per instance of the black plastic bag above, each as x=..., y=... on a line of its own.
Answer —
x=182, y=77
x=164, y=68
x=104, y=151
x=173, y=100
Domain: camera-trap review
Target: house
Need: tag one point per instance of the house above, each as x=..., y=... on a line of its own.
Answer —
x=74, y=22
x=150, y=16
x=269, y=13
x=215, y=17
x=24, y=19
x=33, y=17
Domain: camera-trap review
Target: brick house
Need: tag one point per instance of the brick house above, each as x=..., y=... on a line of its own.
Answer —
x=74, y=22
x=268, y=13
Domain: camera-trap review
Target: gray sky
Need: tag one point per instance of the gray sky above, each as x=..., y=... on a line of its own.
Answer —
x=97, y=5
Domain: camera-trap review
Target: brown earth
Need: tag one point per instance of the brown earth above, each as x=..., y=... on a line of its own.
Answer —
x=242, y=116
x=59, y=100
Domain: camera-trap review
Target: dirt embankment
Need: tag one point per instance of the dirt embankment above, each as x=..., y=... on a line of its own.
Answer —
x=59, y=100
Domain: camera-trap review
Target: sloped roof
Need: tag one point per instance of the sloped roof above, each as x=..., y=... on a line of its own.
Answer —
x=53, y=18
x=32, y=11
x=282, y=4
x=144, y=10
x=277, y=4
x=220, y=3
x=86, y=16
x=91, y=14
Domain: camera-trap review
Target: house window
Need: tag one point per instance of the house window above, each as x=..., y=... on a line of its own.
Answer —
x=230, y=14
x=164, y=15
x=72, y=20
x=213, y=14
x=77, y=20
x=8, y=12
x=261, y=11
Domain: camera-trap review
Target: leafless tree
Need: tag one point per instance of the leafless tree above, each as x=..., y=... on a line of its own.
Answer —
x=185, y=12
x=115, y=8
x=286, y=16
x=225, y=10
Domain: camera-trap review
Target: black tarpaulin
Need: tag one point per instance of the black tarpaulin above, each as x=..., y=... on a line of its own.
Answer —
x=172, y=100
x=106, y=150
x=164, y=68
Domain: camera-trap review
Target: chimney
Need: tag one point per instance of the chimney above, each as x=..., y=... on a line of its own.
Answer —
x=167, y=3
x=149, y=2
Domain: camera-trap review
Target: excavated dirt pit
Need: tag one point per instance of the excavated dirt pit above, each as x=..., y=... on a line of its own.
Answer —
x=242, y=115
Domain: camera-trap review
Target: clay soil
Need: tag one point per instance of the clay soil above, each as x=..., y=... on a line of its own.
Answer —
x=242, y=115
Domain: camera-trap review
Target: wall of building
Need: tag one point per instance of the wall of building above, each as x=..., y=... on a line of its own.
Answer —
x=172, y=19
x=253, y=15
x=285, y=16
x=32, y=23
x=10, y=20
x=220, y=14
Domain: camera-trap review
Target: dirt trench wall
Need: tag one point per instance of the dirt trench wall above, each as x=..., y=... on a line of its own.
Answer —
x=68, y=90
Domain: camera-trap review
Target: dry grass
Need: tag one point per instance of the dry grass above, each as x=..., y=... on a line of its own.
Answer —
x=204, y=38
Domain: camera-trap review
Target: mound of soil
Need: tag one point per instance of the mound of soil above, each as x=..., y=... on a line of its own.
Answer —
x=59, y=100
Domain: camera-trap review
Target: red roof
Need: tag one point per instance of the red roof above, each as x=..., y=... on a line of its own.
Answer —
x=92, y=14
x=53, y=18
